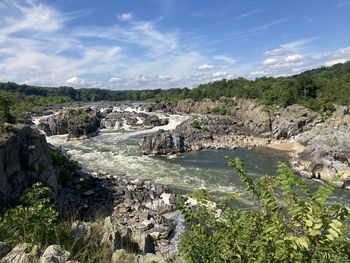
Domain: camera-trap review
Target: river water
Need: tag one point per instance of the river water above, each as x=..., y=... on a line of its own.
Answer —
x=117, y=152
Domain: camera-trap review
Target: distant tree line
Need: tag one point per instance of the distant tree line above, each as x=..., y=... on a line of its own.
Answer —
x=87, y=95
x=317, y=89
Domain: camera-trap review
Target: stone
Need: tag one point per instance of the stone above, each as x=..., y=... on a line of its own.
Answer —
x=89, y=193
x=155, y=235
x=4, y=249
x=20, y=167
x=21, y=253
x=81, y=230
x=55, y=254
x=148, y=224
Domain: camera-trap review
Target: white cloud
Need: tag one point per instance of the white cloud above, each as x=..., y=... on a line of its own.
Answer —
x=335, y=61
x=38, y=46
x=294, y=58
x=225, y=59
x=115, y=80
x=250, y=13
x=75, y=81
x=342, y=4
x=270, y=61
x=125, y=17
x=220, y=74
x=205, y=67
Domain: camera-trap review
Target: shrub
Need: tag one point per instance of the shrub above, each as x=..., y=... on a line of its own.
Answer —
x=33, y=220
x=67, y=166
x=220, y=110
x=196, y=125
x=287, y=224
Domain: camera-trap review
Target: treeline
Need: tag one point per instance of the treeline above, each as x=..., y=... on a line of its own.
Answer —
x=86, y=95
x=317, y=89
x=13, y=104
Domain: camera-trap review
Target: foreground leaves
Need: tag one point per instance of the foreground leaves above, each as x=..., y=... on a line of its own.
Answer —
x=287, y=224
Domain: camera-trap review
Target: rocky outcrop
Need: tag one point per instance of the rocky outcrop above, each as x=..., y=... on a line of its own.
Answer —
x=326, y=149
x=77, y=123
x=132, y=120
x=136, y=210
x=292, y=120
x=22, y=253
x=82, y=123
x=24, y=160
x=165, y=107
x=56, y=254
x=244, y=124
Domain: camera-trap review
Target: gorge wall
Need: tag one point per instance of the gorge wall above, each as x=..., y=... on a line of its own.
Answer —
x=24, y=160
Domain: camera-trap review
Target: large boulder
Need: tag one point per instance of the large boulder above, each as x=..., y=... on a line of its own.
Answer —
x=119, y=237
x=291, y=121
x=24, y=160
x=78, y=123
x=55, y=254
x=54, y=125
x=165, y=107
x=132, y=120
x=22, y=253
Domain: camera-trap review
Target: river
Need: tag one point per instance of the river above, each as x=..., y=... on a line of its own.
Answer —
x=117, y=152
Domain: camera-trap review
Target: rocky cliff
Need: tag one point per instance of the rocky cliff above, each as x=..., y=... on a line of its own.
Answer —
x=24, y=159
x=82, y=123
x=244, y=124
x=326, y=149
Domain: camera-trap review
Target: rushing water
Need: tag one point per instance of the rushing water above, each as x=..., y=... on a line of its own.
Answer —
x=117, y=152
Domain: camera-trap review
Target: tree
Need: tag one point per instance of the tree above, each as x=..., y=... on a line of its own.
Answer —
x=287, y=223
x=5, y=103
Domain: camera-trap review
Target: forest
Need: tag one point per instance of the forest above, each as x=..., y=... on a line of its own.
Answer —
x=318, y=89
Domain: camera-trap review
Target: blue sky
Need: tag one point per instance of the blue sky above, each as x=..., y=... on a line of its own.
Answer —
x=136, y=44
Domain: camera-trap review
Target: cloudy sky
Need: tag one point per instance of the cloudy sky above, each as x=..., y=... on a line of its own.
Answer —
x=136, y=44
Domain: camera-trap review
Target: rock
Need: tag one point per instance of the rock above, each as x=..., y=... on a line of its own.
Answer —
x=180, y=228
x=55, y=254
x=89, y=193
x=24, y=160
x=132, y=120
x=159, y=107
x=155, y=235
x=81, y=230
x=4, y=249
x=148, y=224
x=326, y=150
x=166, y=198
x=118, y=237
x=291, y=121
x=77, y=123
x=22, y=253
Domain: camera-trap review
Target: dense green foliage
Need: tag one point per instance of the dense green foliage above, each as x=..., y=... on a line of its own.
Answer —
x=316, y=89
x=34, y=220
x=67, y=167
x=13, y=104
x=287, y=224
x=87, y=95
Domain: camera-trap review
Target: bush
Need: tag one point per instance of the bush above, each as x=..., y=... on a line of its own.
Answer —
x=196, y=125
x=67, y=166
x=33, y=220
x=220, y=110
x=287, y=224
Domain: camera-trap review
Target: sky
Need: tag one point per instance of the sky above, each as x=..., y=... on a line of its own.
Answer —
x=147, y=44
